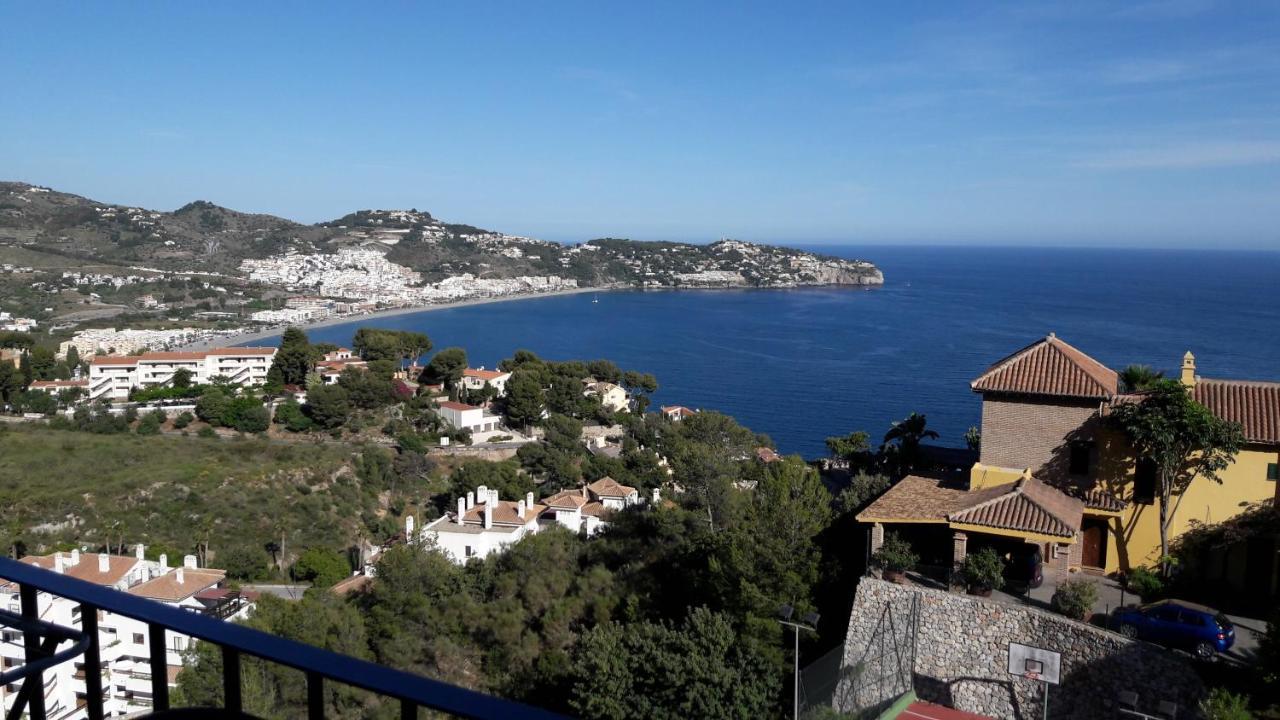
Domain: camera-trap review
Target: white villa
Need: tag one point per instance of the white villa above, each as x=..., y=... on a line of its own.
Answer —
x=483, y=524
x=126, y=682
x=612, y=396
x=462, y=416
x=477, y=378
x=113, y=376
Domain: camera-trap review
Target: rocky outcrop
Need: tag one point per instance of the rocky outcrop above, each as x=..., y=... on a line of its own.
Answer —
x=955, y=649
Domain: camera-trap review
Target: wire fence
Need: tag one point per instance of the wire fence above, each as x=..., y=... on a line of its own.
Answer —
x=862, y=681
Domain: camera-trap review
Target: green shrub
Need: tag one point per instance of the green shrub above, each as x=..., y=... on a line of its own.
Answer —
x=983, y=570
x=895, y=555
x=1144, y=582
x=207, y=432
x=289, y=414
x=322, y=567
x=1222, y=704
x=130, y=414
x=184, y=419
x=1075, y=598
x=150, y=424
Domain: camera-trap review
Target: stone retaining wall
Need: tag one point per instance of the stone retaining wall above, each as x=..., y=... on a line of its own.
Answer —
x=961, y=656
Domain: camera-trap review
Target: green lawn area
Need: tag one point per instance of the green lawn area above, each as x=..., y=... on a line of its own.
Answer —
x=60, y=488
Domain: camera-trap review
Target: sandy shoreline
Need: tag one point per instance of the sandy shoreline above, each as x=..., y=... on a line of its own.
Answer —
x=245, y=337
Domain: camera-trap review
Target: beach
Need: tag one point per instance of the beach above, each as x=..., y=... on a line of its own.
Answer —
x=274, y=330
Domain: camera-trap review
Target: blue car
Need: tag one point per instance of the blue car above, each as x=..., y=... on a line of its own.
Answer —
x=1200, y=630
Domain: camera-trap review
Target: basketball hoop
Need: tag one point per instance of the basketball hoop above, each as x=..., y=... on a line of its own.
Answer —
x=1031, y=675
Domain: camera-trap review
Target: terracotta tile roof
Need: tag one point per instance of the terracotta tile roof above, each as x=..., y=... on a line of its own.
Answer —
x=676, y=411
x=118, y=567
x=595, y=509
x=483, y=374
x=457, y=405
x=1028, y=506
x=1101, y=500
x=114, y=360
x=767, y=455
x=1049, y=367
x=1254, y=405
x=167, y=587
x=565, y=500
x=610, y=488
x=919, y=499
x=504, y=513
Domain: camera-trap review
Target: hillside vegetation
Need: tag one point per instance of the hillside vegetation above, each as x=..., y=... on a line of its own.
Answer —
x=206, y=237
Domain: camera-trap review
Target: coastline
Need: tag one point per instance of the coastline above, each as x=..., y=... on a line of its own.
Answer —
x=253, y=335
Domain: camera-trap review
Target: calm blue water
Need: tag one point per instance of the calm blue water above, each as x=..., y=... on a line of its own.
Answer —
x=804, y=364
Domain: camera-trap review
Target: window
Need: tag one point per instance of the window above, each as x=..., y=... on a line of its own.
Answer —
x=1079, y=462
x=1144, y=481
x=138, y=639
x=469, y=551
x=1273, y=471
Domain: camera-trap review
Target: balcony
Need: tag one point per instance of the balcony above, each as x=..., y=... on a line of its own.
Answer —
x=43, y=649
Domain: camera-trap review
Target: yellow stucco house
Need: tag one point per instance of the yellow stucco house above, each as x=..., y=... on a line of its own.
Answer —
x=1052, y=473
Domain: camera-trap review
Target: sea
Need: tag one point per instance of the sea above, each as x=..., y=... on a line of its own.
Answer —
x=803, y=364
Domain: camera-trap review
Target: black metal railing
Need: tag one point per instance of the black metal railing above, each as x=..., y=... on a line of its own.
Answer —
x=41, y=639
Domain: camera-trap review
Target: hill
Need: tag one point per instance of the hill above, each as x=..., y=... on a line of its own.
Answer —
x=206, y=237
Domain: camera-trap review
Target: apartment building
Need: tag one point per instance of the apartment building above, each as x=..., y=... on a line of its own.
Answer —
x=111, y=377
x=123, y=642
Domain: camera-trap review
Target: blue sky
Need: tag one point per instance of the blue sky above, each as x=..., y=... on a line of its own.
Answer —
x=1094, y=123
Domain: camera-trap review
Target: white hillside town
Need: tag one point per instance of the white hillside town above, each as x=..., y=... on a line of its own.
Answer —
x=368, y=275
x=126, y=681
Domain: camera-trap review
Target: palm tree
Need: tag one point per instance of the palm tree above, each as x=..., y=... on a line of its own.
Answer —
x=1137, y=378
x=904, y=439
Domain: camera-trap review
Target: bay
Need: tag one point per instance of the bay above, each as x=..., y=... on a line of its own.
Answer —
x=804, y=364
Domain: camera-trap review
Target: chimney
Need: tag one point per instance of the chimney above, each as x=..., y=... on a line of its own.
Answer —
x=58, y=566
x=493, y=496
x=471, y=499
x=177, y=575
x=488, y=515
x=408, y=527
x=657, y=496
x=139, y=551
x=528, y=500
x=164, y=563
x=583, y=490
x=104, y=563
x=189, y=561
x=1189, y=370
x=75, y=557
x=520, y=509
x=482, y=494
x=462, y=509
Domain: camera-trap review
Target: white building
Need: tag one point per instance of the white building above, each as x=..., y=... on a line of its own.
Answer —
x=462, y=416
x=482, y=524
x=612, y=396
x=477, y=378
x=112, y=377
x=584, y=510
x=123, y=642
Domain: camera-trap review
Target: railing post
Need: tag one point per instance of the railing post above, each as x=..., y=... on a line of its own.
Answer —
x=92, y=663
x=231, y=679
x=315, y=696
x=31, y=646
x=408, y=709
x=159, y=668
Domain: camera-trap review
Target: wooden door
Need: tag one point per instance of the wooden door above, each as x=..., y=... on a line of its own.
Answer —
x=1093, y=543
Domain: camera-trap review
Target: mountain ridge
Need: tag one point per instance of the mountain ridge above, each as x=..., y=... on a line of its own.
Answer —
x=209, y=237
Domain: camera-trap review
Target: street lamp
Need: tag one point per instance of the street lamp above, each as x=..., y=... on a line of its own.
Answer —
x=808, y=622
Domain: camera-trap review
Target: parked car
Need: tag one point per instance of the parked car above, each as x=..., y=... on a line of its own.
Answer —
x=1200, y=630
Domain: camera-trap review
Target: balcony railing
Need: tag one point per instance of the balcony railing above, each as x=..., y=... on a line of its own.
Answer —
x=41, y=641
